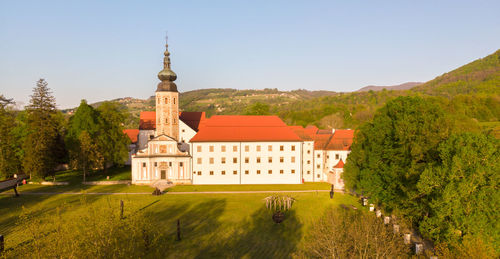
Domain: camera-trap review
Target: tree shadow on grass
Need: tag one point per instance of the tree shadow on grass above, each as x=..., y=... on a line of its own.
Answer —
x=198, y=220
x=258, y=237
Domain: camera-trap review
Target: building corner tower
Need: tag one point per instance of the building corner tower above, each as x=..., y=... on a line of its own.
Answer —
x=167, y=101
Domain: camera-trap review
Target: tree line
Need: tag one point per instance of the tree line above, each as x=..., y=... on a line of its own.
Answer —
x=434, y=168
x=39, y=138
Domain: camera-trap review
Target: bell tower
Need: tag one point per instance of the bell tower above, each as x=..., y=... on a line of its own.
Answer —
x=167, y=101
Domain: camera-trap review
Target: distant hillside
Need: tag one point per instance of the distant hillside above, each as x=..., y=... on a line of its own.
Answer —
x=480, y=76
x=404, y=86
x=471, y=91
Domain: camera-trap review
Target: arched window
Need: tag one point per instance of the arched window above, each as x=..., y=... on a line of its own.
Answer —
x=166, y=120
x=174, y=100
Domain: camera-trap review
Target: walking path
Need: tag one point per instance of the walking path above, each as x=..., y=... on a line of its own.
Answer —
x=176, y=193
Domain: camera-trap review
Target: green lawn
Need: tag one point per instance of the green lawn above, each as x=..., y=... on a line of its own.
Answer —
x=250, y=187
x=212, y=225
x=76, y=176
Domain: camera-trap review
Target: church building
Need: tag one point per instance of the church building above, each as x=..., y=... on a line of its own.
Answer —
x=187, y=148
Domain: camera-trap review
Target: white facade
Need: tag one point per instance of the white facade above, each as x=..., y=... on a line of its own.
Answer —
x=161, y=160
x=185, y=132
x=308, y=161
x=247, y=162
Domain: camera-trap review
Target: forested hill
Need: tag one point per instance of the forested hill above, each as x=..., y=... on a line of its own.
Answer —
x=472, y=90
x=479, y=76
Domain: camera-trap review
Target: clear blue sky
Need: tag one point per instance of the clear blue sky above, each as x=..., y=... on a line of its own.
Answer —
x=100, y=50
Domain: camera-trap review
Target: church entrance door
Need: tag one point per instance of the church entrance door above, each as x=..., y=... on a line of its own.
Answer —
x=163, y=174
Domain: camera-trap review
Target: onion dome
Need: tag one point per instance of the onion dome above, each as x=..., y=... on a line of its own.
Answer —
x=167, y=76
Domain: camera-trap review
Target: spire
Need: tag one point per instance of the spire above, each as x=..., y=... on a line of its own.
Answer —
x=167, y=76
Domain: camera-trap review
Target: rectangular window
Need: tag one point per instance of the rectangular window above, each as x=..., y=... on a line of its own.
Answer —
x=318, y=155
x=235, y=172
x=211, y=148
x=198, y=160
x=293, y=159
x=199, y=172
x=281, y=171
x=198, y=148
x=270, y=171
x=223, y=173
x=246, y=171
x=174, y=100
x=235, y=148
x=258, y=159
x=318, y=176
x=269, y=148
x=293, y=171
x=181, y=164
x=308, y=151
x=337, y=156
x=258, y=171
x=282, y=148
x=293, y=147
x=282, y=159
x=211, y=172
x=143, y=164
x=246, y=160
x=223, y=160
x=317, y=166
x=223, y=148
x=156, y=164
x=270, y=160
x=308, y=162
x=258, y=147
x=211, y=160
x=235, y=160
x=308, y=172
x=169, y=163
x=327, y=156
x=247, y=148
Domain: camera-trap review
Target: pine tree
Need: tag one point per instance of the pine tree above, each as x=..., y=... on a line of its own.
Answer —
x=9, y=162
x=40, y=142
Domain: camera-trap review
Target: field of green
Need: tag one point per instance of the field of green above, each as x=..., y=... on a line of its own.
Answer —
x=212, y=225
x=250, y=187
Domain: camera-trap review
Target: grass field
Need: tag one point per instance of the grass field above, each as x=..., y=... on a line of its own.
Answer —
x=250, y=187
x=76, y=176
x=212, y=225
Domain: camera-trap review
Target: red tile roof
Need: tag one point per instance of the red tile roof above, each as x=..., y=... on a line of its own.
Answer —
x=192, y=119
x=301, y=132
x=147, y=121
x=232, y=128
x=321, y=140
x=311, y=130
x=132, y=134
x=341, y=140
x=340, y=164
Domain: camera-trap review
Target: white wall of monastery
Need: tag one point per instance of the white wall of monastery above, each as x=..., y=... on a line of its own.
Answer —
x=246, y=162
x=308, y=161
x=186, y=133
